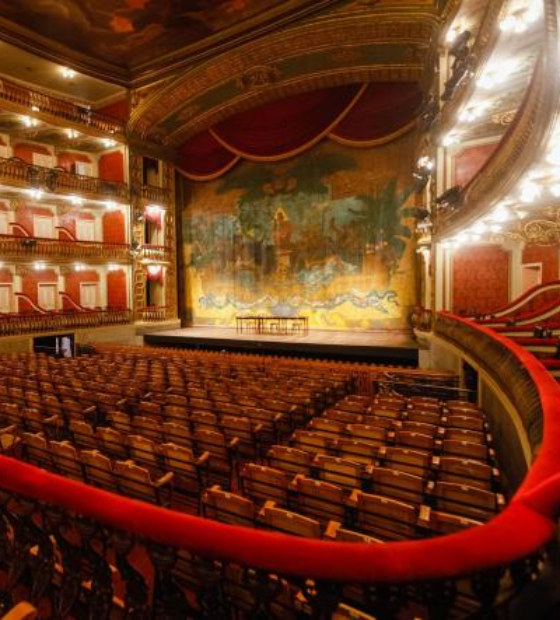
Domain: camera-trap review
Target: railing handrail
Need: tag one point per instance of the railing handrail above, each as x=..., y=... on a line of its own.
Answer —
x=64, y=241
x=526, y=524
x=13, y=92
x=50, y=177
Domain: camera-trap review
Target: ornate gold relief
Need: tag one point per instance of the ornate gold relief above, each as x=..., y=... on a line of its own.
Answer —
x=504, y=118
x=259, y=76
x=535, y=232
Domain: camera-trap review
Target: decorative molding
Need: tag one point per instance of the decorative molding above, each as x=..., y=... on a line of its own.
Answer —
x=535, y=232
x=327, y=37
x=259, y=76
x=504, y=118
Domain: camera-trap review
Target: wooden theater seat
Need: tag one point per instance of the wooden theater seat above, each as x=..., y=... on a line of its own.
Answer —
x=417, y=462
x=441, y=523
x=387, y=518
x=99, y=470
x=397, y=484
x=359, y=451
x=190, y=472
x=137, y=482
x=112, y=442
x=343, y=472
x=336, y=531
x=66, y=460
x=289, y=522
x=466, y=422
x=314, y=443
x=178, y=433
x=465, y=471
x=290, y=460
x=468, y=449
x=320, y=500
x=262, y=483
x=37, y=450
x=371, y=434
x=467, y=501
x=228, y=507
x=83, y=435
x=326, y=427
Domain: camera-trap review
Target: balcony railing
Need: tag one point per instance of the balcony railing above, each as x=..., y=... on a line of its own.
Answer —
x=13, y=324
x=15, y=171
x=155, y=195
x=153, y=314
x=155, y=252
x=46, y=104
x=11, y=246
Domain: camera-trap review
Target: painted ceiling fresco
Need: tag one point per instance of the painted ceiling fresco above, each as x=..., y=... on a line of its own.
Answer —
x=130, y=32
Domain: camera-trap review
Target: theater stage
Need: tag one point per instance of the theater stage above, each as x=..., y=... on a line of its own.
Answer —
x=380, y=347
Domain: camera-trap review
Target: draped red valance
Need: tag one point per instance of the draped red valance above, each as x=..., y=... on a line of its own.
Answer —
x=357, y=115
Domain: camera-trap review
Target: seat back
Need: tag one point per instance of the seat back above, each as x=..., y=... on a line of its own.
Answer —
x=37, y=449
x=290, y=460
x=178, y=434
x=66, y=460
x=262, y=483
x=290, y=522
x=98, y=470
x=228, y=507
x=143, y=451
x=311, y=442
x=387, y=518
x=398, y=485
x=135, y=481
x=343, y=472
x=321, y=500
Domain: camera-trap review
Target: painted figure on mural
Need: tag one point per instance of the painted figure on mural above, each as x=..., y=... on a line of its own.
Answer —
x=282, y=231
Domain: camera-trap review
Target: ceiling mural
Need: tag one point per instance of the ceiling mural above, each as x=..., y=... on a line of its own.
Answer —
x=131, y=32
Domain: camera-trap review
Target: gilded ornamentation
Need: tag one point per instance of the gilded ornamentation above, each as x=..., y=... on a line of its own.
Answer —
x=535, y=232
x=256, y=77
x=504, y=118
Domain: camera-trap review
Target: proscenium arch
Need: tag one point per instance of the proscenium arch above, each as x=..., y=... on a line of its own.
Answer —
x=357, y=47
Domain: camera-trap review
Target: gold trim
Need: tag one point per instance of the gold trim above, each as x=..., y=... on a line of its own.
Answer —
x=377, y=141
x=209, y=177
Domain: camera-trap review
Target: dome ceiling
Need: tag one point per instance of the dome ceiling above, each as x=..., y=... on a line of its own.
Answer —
x=127, y=37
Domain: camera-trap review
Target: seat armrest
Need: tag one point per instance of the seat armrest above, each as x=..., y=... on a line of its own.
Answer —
x=436, y=462
x=430, y=486
x=54, y=420
x=332, y=529
x=352, y=500
x=233, y=443
x=500, y=501
x=424, y=516
x=203, y=459
x=165, y=479
x=268, y=504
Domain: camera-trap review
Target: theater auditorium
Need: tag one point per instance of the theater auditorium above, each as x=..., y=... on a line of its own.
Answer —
x=279, y=309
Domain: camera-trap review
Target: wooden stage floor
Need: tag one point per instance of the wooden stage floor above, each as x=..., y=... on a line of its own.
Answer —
x=365, y=346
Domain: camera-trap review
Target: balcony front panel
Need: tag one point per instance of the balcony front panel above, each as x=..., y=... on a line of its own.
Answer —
x=15, y=324
x=16, y=172
x=33, y=247
x=46, y=105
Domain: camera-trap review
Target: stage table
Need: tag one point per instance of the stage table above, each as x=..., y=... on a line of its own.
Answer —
x=276, y=325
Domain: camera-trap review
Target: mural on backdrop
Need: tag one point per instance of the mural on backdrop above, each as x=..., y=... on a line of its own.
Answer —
x=325, y=235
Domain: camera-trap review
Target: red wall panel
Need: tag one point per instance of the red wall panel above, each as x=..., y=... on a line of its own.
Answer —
x=480, y=279
x=111, y=166
x=68, y=160
x=118, y=109
x=24, y=217
x=30, y=282
x=545, y=254
x=6, y=276
x=468, y=162
x=72, y=285
x=113, y=227
x=25, y=150
x=116, y=289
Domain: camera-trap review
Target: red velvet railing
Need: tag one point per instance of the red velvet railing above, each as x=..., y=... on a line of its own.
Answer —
x=528, y=523
x=503, y=312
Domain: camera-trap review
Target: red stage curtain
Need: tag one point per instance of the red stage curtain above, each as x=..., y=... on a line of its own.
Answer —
x=204, y=158
x=355, y=114
x=284, y=127
x=382, y=111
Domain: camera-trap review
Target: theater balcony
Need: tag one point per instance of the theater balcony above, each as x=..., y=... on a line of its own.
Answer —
x=16, y=173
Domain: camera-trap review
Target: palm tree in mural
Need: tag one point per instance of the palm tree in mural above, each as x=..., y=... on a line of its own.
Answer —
x=382, y=217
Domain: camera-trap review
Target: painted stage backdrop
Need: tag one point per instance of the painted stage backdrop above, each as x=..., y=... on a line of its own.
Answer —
x=327, y=235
